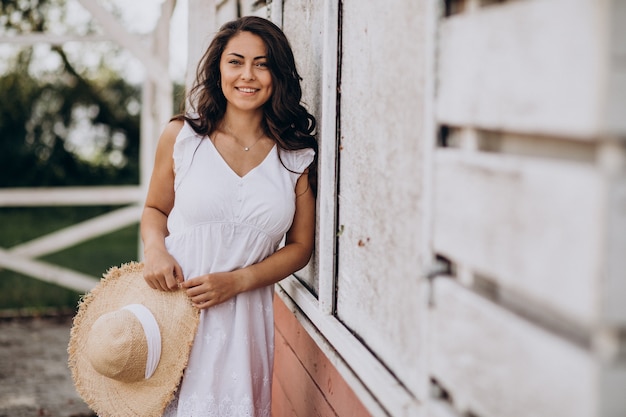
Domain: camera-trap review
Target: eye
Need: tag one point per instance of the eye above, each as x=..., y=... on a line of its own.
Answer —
x=234, y=62
x=262, y=64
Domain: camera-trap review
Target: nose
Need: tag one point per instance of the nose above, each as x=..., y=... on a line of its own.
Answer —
x=247, y=72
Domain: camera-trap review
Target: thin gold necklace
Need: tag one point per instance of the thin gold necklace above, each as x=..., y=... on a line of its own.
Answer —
x=238, y=141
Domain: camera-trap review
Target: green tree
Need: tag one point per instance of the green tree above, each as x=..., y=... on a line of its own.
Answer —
x=40, y=113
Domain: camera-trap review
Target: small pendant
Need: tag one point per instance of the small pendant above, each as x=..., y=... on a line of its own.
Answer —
x=246, y=149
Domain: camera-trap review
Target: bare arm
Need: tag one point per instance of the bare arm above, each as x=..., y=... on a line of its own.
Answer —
x=208, y=290
x=161, y=271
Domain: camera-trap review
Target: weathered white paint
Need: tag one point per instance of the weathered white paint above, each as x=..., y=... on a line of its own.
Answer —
x=429, y=135
x=75, y=234
x=529, y=224
x=438, y=408
x=610, y=389
x=615, y=106
x=202, y=27
x=226, y=11
x=316, y=58
x=380, y=153
x=495, y=364
x=77, y=196
x=47, y=272
x=327, y=162
x=535, y=66
x=157, y=107
x=612, y=162
x=534, y=88
x=312, y=52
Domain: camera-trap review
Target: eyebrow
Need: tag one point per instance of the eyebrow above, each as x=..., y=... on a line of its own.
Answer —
x=242, y=57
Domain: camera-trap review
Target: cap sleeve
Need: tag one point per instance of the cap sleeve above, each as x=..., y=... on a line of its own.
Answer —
x=185, y=147
x=298, y=160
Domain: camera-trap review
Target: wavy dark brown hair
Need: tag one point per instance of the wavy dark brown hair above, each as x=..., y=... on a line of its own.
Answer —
x=286, y=120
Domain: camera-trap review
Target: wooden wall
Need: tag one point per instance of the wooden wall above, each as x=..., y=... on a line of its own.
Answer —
x=528, y=209
x=471, y=232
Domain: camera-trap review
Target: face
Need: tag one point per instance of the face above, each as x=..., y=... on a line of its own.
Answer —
x=246, y=80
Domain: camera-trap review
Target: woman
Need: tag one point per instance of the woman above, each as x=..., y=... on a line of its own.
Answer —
x=231, y=179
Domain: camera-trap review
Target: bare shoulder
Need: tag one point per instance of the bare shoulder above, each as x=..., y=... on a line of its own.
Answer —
x=168, y=137
x=172, y=130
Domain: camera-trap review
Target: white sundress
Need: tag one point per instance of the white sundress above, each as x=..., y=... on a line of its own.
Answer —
x=221, y=222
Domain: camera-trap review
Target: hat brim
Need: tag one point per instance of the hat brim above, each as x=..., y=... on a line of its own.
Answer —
x=178, y=322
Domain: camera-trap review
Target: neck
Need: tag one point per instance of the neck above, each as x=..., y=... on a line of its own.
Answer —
x=242, y=123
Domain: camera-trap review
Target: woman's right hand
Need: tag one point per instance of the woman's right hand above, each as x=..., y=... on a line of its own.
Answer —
x=161, y=271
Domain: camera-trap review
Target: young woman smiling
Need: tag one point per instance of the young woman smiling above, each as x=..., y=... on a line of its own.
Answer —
x=233, y=176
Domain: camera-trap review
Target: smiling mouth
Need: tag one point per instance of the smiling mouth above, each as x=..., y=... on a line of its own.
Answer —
x=247, y=90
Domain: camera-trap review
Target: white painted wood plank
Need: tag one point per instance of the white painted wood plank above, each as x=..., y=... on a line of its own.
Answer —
x=436, y=408
x=495, y=364
x=327, y=162
x=534, y=226
x=614, y=283
x=157, y=101
x=309, y=32
x=69, y=196
x=616, y=83
x=381, y=149
x=78, y=233
x=374, y=376
x=47, y=272
x=535, y=66
x=612, y=386
x=202, y=28
x=276, y=12
x=226, y=11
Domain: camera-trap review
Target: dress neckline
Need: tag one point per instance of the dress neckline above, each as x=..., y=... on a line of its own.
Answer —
x=241, y=177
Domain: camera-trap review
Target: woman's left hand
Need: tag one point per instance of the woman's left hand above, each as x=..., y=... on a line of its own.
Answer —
x=211, y=289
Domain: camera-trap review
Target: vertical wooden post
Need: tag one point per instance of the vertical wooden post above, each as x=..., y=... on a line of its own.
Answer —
x=202, y=26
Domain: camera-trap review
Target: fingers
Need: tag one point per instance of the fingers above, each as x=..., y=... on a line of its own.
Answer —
x=150, y=283
x=204, y=305
x=208, y=290
x=171, y=282
x=178, y=274
x=166, y=279
x=191, y=283
x=204, y=300
x=200, y=292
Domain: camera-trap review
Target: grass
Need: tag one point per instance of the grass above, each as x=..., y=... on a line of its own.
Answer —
x=92, y=257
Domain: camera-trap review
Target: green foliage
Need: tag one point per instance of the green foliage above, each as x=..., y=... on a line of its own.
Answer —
x=40, y=114
x=22, y=16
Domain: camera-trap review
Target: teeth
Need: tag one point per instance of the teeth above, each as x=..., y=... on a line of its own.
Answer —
x=247, y=90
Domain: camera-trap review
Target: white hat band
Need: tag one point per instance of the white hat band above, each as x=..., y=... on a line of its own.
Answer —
x=153, y=335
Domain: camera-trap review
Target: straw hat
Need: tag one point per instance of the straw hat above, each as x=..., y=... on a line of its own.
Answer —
x=129, y=344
